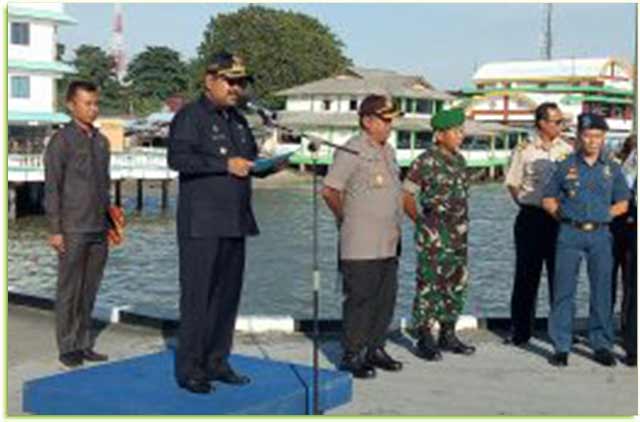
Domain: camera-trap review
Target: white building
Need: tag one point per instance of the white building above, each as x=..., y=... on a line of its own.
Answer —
x=33, y=69
x=508, y=92
x=328, y=108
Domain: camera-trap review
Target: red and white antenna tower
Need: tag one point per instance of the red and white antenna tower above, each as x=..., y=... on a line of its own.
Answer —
x=117, y=43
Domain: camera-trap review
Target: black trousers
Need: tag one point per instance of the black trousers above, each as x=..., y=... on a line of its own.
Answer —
x=535, y=234
x=211, y=272
x=80, y=272
x=621, y=256
x=630, y=314
x=370, y=288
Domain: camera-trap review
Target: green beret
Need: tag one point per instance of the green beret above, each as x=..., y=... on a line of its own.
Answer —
x=446, y=119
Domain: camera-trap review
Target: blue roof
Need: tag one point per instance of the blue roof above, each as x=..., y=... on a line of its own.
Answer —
x=40, y=117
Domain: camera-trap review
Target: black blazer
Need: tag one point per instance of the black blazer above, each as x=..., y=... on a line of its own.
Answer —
x=211, y=202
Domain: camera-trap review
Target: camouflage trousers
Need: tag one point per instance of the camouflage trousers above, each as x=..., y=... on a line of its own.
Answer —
x=441, y=276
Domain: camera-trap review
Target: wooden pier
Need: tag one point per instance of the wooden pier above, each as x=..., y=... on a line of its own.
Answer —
x=144, y=166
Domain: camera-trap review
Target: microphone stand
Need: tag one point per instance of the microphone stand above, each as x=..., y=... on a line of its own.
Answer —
x=315, y=141
x=314, y=147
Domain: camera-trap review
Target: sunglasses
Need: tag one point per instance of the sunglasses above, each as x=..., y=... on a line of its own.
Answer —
x=384, y=119
x=241, y=82
x=557, y=122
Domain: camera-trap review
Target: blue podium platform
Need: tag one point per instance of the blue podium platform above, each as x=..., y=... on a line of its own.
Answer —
x=145, y=385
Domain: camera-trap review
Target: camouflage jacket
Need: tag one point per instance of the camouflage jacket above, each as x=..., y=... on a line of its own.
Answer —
x=441, y=187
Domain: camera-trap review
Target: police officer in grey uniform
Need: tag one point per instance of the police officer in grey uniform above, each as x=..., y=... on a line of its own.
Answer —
x=77, y=182
x=364, y=193
x=213, y=149
x=586, y=191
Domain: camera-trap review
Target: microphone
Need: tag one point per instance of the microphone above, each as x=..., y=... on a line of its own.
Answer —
x=314, y=144
x=268, y=117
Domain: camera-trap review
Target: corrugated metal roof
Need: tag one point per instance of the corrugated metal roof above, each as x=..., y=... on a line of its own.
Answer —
x=535, y=69
x=360, y=81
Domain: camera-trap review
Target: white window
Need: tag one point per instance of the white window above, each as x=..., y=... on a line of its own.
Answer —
x=20, y=87
x=19, y=33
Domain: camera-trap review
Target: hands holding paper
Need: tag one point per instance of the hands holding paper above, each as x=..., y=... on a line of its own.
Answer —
x=239, y=166
x=265, y=166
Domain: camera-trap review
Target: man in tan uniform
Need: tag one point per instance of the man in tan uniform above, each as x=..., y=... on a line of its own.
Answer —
x=364, y=193
x=535, y=232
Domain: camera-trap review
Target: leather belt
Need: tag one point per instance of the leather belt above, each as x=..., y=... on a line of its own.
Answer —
x=585, y=226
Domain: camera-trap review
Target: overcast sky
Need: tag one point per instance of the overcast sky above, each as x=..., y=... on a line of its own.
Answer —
x=442, y=42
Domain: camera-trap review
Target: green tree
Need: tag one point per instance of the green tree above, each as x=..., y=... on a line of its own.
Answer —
x=95, y=65
x=195, y=71
x=153, y=76
x=281, y=48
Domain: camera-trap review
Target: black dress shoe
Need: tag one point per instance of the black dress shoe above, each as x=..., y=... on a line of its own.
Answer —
x=353, y=362
x=516, y=342
x=196, y=385
x=93, y=356
x=71, y=359
x=225, y=374
x=559, y=359
x=631, y=359
x=604, y=357
x=427, y=349
x=379, y=358
x=450, y=342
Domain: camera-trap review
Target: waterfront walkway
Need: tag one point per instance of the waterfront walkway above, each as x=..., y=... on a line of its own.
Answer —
x=498, y=380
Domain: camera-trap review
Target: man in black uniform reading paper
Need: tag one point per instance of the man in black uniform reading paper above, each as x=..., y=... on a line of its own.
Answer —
x=213, y=149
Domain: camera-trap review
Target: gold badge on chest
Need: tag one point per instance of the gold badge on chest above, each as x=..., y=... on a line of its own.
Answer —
x=573, y=174
x=378, y=180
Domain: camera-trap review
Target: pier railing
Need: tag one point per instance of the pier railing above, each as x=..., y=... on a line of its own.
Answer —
x=151, y=163
x=140, y=163
x=475, y=158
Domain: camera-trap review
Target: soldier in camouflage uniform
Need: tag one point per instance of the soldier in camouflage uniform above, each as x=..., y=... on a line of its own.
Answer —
x=436, y=192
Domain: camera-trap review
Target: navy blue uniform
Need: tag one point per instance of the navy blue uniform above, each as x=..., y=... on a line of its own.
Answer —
x=214, y=217
x=585, y=193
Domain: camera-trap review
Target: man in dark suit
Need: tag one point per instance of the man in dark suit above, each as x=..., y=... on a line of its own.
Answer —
x=76, y=165
x=213, y=149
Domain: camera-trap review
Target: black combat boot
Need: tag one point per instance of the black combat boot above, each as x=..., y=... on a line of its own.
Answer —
x=427, y=349
x=450, y=342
